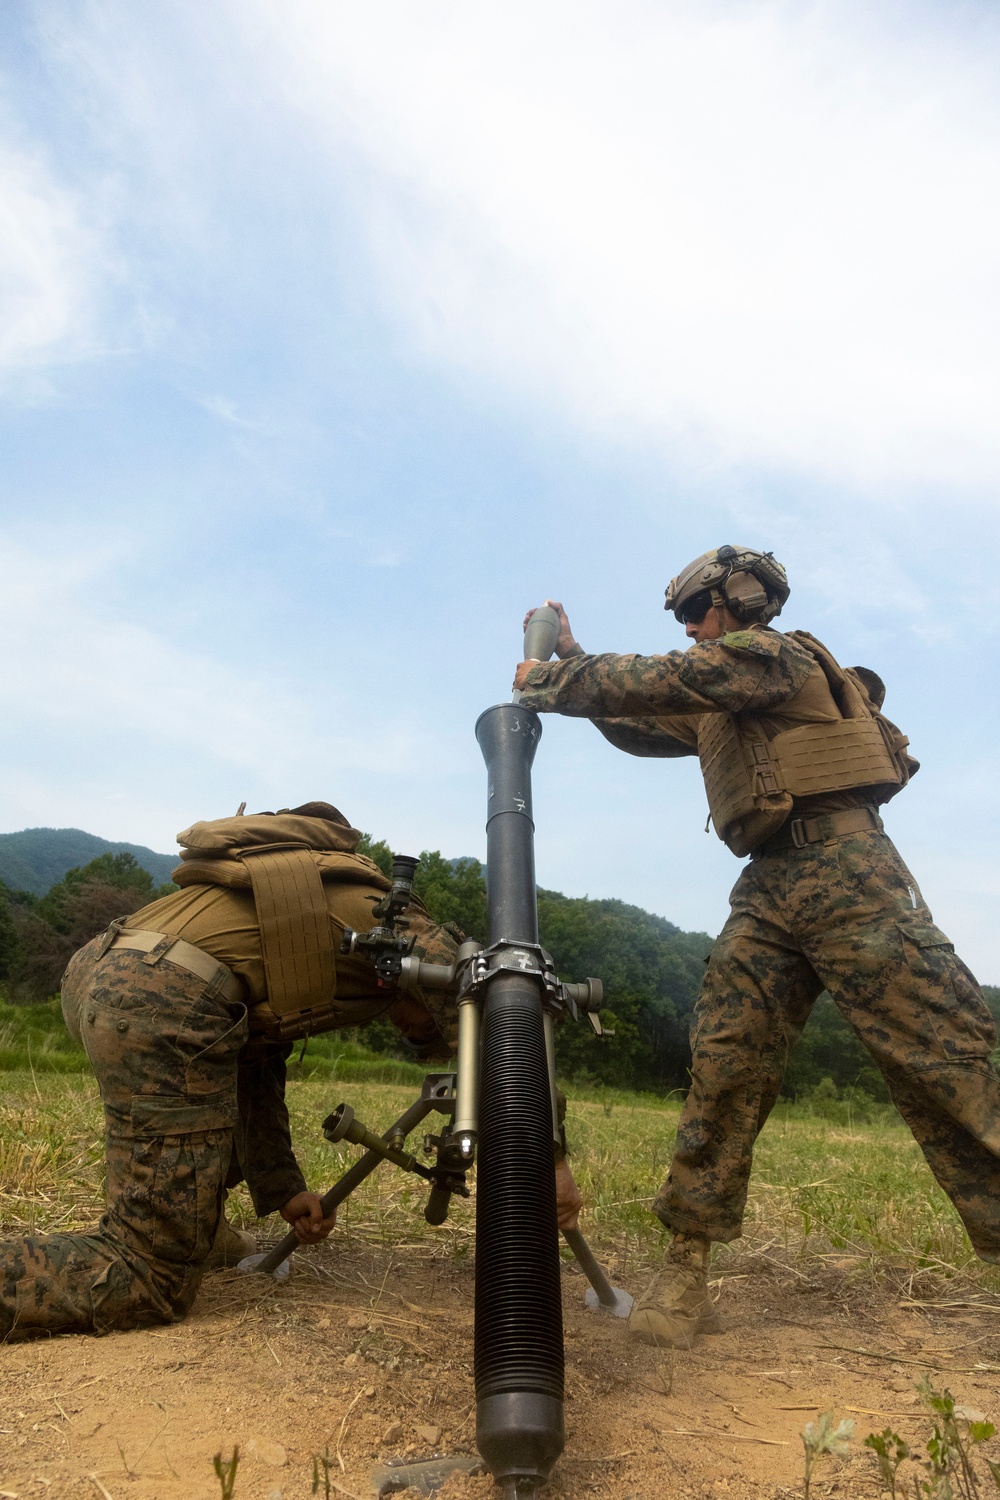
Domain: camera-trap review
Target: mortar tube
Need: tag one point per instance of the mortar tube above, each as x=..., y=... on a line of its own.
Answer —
x=518, y=1324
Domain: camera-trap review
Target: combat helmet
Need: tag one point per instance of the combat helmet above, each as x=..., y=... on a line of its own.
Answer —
x=752, y=585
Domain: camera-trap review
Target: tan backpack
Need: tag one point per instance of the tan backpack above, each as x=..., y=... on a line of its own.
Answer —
x=284, y=858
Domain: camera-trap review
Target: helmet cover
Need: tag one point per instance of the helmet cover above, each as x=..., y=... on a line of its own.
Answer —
x=752, y=585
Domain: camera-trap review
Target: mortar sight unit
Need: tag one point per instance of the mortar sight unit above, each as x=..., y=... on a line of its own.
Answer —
x=498, y=1105
x=386, y=945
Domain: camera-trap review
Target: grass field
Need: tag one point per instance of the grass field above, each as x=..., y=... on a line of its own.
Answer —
x=821, y=1188
x=849, y=1247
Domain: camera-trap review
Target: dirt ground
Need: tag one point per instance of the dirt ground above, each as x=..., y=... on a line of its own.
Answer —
x=365, y=1353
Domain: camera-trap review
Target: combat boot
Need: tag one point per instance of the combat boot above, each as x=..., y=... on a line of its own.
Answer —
x=677, y=1306
x=231, y=1245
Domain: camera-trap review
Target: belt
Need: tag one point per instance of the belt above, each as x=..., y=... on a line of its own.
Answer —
x=157, y=945
x=798, y=832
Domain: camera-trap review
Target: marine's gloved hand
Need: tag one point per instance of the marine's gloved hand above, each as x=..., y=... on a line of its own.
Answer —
x=569, y=1199
x=566, y=642
x=305, y=1214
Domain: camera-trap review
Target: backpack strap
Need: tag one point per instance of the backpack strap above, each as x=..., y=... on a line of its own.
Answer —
x=296, y=934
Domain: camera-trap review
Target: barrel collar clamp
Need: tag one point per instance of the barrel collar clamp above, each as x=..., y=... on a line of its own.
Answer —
x=508, y=956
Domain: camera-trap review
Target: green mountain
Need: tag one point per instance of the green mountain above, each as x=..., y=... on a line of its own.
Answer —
x=651, y=969
x=36, y=858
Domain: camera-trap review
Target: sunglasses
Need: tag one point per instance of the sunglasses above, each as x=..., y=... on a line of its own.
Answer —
x=696, y=608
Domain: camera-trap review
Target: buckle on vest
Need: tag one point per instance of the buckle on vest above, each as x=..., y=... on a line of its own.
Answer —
x=109, y=937
x=797, y=828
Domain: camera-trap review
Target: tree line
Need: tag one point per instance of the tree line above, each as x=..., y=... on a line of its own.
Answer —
x=652, y=973
x=39, y=934
x=651, y=969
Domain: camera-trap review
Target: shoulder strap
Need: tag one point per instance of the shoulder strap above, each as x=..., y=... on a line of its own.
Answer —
x=295, y=930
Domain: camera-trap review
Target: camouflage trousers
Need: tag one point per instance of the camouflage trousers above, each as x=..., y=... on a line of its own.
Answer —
x=845, y=916
x=165, y=1054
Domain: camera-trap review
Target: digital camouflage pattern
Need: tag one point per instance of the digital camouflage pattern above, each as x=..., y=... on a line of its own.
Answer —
x=847, y=916
x=193, y=1105
x=844, y=915
x=165, y=1055
x=747, y=671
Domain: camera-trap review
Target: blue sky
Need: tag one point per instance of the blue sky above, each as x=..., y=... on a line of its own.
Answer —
x=334, y=336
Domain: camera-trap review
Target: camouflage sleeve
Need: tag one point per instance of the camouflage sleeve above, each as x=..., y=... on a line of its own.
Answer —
x=745, y=670
x=667, y=736
x=263, y=1139
x=428, y=1019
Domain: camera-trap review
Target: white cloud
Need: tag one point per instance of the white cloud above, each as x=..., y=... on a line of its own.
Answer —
x=759, y=234
x=48, y=262
x=227, y=411
x=130, y=731
x=81, y=674
x=755, y=235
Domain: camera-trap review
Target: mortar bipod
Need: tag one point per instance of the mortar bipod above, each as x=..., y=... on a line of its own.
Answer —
x=438, y=1093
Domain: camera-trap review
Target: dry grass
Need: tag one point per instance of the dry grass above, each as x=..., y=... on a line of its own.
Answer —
x=835, y=1209
x=856, y=1199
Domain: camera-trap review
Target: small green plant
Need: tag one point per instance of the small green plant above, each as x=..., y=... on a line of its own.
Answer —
x=225, y=1472
x=890, y=1450
x=820, y=1440
x=948, y=1455
x=322, y=1461
x=950, y=1473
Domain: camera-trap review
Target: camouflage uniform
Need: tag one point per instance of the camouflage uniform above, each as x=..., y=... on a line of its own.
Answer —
x=842, y=913
x=193, y=1104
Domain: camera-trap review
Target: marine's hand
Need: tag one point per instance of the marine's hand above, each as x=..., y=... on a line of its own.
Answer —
x=566, y=642
x=521, y=675
x=569, y=1199
x=305, y=1214
x=416, y=1024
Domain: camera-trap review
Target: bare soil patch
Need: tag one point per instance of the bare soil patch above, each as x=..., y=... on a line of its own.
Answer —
x=366, y=1354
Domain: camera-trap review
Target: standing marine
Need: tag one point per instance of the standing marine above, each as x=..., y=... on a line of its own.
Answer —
x=797, y=758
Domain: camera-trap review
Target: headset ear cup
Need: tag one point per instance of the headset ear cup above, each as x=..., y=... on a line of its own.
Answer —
x=746, y=596
x=751, y=584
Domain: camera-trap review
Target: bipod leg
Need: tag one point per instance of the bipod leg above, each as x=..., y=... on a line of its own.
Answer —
x=601, y=1296
x=272, y=1261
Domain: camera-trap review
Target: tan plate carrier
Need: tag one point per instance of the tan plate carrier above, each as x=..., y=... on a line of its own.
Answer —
x=752, y=780
x=296, y=933
x=285, y=859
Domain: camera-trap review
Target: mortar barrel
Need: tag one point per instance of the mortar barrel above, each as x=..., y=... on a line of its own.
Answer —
x=518, y=1331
